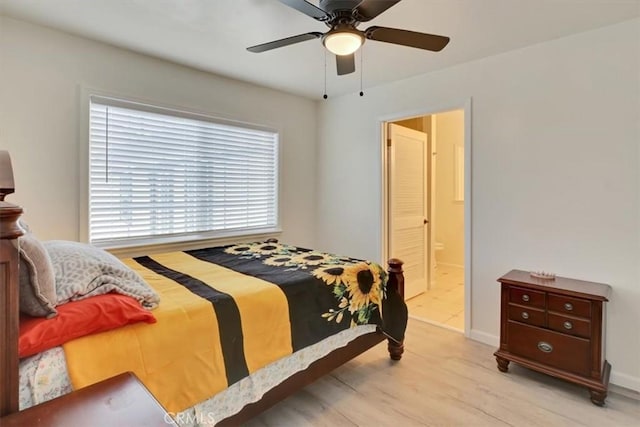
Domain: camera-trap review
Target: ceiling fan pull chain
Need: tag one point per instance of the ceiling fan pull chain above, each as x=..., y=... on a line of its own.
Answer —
x=325, y=74
x=106, y=147
x=361, y=54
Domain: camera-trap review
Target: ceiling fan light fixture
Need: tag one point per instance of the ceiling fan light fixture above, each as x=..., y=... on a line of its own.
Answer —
x=343, y=42
x=344, y=38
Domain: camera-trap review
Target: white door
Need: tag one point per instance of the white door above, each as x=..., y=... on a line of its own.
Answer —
x=408, y=224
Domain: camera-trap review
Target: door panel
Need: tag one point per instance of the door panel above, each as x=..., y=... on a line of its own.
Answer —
x=408, y=205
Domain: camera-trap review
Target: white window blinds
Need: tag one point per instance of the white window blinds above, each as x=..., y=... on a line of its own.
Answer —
x=158, y=173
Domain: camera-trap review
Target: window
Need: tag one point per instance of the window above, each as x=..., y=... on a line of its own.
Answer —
x=157, y=174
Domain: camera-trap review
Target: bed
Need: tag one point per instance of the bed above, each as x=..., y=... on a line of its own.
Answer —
x=288, y=353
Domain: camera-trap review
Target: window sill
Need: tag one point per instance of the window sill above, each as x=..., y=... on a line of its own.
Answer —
x=182, y=243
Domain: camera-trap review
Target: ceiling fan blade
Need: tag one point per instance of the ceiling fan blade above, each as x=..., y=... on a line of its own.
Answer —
x=307, y=8
x=407, y=38
x=346, y=64
x=369, y=9
x=284, y=42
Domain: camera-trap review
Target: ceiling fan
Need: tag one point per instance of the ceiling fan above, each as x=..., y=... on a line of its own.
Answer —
x=344, y=39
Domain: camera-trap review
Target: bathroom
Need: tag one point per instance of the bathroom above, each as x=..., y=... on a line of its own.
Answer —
x=441, y=301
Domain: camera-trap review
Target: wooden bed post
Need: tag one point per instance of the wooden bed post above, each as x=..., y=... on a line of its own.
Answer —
x=9, y=307
x=394, y=310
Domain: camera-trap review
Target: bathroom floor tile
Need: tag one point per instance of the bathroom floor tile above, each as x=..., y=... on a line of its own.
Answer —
x=444, y=302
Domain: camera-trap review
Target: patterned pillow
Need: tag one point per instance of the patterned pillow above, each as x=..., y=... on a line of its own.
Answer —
x=37, y=282
x=82, y=271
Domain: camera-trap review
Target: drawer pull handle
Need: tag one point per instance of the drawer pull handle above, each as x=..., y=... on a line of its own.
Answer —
x=525, y=315
x=525, y=298
x=545, y=347
x=568, y=325
x=568, y=306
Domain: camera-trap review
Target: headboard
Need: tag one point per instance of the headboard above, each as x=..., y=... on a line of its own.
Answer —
x=9, y=309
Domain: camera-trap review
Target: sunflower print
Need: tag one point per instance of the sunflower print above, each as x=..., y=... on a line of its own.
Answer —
x=331, y=274
x=278, y=260
x=267, y=248
x=359, y=288
x=240, y=249
x=313, y=258
x=364, y=284
x=258, y=249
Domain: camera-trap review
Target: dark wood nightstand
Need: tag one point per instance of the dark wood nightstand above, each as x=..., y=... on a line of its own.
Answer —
x=555, y=327
x=121, y=401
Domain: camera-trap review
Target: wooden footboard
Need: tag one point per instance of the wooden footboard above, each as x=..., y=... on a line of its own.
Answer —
x=9, y=310
x=394, y=311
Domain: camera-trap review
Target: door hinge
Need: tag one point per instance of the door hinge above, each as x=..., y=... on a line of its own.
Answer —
x=389, y=142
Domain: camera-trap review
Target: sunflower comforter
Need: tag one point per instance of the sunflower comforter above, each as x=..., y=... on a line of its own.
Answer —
x=226, y=312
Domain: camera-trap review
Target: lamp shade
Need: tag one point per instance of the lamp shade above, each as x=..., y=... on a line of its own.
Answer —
x=6, y=175
x=343, y=42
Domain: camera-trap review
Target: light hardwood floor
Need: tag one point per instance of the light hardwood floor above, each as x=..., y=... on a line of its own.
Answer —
x=444, y=379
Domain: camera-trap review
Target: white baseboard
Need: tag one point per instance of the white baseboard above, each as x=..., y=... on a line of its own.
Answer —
x=483, y=337
x=626, y=381
x=617, y=378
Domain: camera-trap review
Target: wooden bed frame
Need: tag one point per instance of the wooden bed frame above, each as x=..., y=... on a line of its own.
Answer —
x=394, y=309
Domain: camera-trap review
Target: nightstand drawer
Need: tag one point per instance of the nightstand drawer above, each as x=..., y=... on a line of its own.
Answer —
x=527, y=297
x=528, y=315
x=569, y=325
x=573, y=306
x=550, y=348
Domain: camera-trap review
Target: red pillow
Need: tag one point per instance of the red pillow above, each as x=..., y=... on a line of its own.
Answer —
x=77, y=319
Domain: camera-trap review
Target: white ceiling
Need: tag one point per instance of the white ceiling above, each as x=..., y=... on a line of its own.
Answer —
x=212, y=35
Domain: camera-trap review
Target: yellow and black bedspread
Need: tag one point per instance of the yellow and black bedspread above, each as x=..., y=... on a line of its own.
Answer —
x=226, y=312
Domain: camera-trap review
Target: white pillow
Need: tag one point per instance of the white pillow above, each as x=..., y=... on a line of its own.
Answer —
x=36, y=278
x=83, y=270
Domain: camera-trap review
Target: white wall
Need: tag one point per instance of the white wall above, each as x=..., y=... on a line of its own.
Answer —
x=42, y=72
x=449, y=221
x=555, y=160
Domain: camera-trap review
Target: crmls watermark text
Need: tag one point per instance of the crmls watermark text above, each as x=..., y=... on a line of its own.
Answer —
x=190, y=418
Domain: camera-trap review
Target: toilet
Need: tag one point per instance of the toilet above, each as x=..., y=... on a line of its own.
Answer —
x=437, y=246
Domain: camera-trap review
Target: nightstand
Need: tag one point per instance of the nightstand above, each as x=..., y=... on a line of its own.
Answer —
x=120, y=401
x=555, y=327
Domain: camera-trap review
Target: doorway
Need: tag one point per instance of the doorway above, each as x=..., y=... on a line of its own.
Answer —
x=425, y=182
